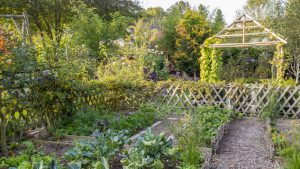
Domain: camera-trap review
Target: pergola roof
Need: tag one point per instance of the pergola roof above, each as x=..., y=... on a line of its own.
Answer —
x=247, y=32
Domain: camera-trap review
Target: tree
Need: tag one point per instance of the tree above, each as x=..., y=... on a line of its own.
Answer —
x=218, y=22
x=258, y=8
x=203, y=10
x=192, y=31
x=174, y=13
x=154, y=16
x=291, y=30
x=104, y=8
x=48, y=16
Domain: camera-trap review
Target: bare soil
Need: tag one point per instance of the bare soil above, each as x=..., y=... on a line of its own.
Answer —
x=244, y=146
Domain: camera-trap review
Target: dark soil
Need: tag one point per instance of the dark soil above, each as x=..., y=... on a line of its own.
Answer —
x=245, y=146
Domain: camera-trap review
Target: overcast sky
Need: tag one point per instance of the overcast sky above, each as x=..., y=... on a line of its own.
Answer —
x=228, y=7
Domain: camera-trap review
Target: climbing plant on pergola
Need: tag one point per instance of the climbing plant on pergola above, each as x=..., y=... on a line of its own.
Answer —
x=244, y=32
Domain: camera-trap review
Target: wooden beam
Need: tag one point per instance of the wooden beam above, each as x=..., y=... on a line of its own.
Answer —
x=235, y=45
x=246, y=28
x=242, y=35
x=12, y=16
x=277, y=37
x=242, y=21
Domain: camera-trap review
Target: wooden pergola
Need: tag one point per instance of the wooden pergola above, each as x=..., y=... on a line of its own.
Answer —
x=247, y=32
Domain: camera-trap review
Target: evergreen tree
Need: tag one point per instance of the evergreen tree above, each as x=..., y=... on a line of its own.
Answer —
x=218, y=22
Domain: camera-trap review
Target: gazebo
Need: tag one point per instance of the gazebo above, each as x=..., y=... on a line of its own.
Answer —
x=244, y=32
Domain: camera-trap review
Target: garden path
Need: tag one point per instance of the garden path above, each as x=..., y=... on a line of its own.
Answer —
x=245, y=146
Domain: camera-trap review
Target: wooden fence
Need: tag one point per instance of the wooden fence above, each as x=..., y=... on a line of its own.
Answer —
x=249, y=99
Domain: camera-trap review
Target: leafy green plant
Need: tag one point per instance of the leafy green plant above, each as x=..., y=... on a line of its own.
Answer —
x=97, y=153
x=210, y=119
x=294, y=161
x=29, y=158
x=149, y=152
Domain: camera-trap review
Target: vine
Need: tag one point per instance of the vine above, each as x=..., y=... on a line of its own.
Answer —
x=210, y=61
x=278, y=62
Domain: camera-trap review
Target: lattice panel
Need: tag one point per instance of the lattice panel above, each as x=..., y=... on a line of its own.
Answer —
x=249, y=99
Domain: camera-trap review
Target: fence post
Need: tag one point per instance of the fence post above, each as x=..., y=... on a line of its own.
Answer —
x=229, y=106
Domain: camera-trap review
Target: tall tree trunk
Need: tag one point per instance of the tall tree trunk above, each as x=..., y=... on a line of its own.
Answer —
x=3, y=125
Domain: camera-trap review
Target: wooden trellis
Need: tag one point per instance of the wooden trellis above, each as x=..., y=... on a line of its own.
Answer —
x=249, y=99
x=21, y=22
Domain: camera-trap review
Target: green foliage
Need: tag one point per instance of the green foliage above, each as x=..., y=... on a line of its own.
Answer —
x=210, y=119
x=104, y=8
x=197, y=130
x=271, y=110
x=279, y=63
x=156, y=62
x=143, y=118
x=210, y=61
x=90, y=30
x=294, y=161
x=97, y=153
x=287, y=146
x=29, y=158
x=84, y=122
x=192, y=30
x=218, y=22
x=149, y=152
x=168, y=40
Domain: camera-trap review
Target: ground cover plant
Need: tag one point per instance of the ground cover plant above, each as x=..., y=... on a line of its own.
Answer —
x=85, y=121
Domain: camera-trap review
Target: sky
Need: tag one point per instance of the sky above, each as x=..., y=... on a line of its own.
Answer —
x=228, y=7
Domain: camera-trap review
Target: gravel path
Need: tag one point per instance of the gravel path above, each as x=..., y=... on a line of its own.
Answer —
x=245, y=146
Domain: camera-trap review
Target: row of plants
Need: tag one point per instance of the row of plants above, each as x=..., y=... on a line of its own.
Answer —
x=28, y=157
x=103, y=152
x=49, y=98
x=85, y=121
x=197, y=129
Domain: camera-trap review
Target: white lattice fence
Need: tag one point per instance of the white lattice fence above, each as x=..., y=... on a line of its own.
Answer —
x=249, y=99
